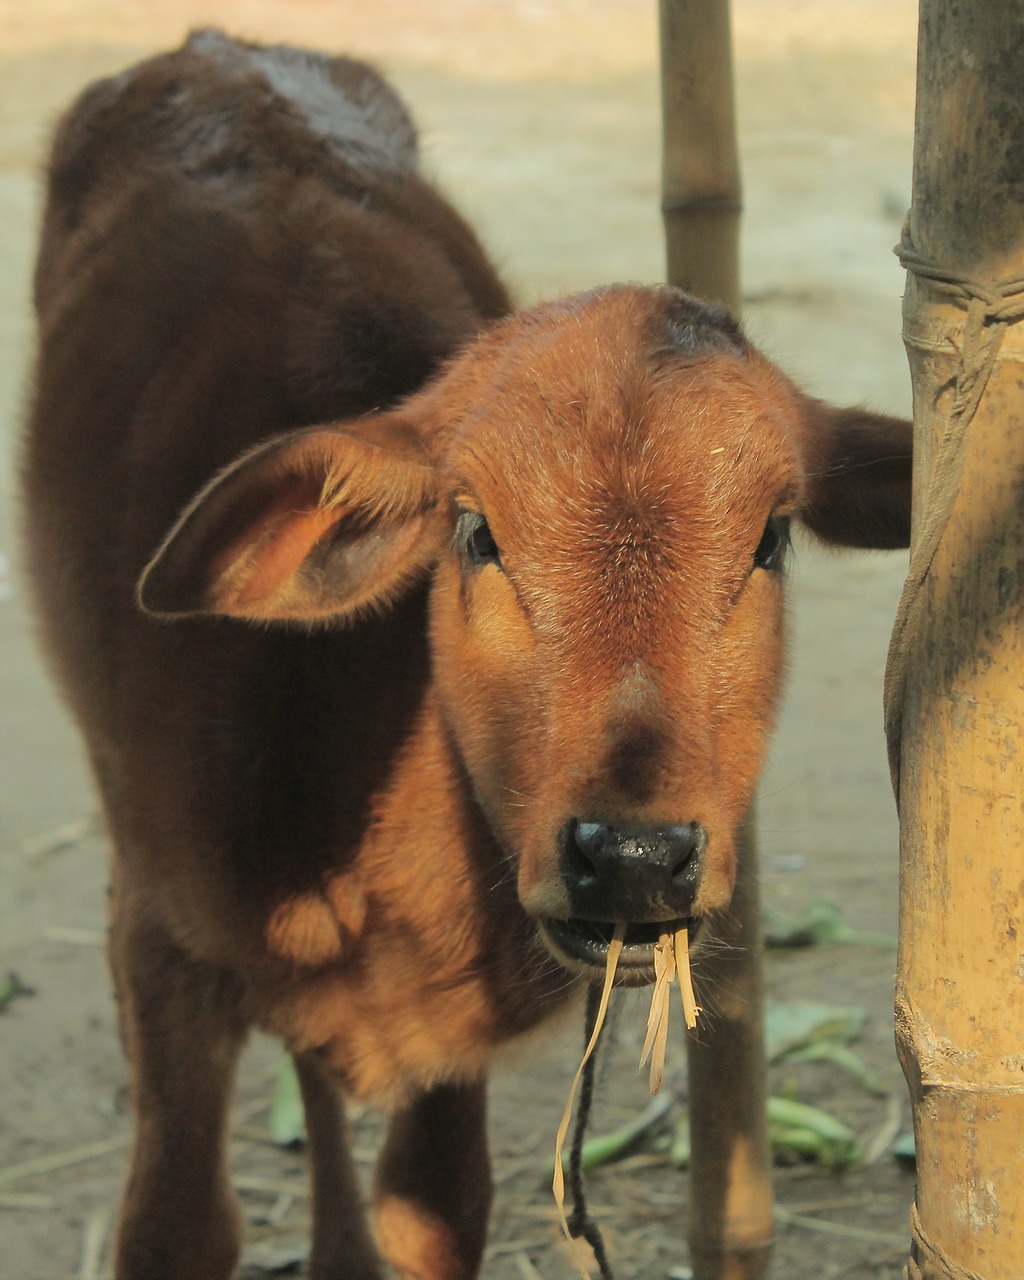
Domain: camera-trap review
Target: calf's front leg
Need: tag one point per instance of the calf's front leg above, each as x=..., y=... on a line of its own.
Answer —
x=433, y=1188
x=183, y=1031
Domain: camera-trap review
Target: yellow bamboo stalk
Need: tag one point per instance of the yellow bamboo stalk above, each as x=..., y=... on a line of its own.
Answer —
x=960, y=988
x=730, y=1178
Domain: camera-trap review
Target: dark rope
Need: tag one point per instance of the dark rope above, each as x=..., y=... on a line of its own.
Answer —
x=991, y=306
x=580, y=1222
x=928, y=1253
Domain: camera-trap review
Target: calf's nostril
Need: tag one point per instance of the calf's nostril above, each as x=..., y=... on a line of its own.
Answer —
x=589, y=837
x=583, y=847
x=685, y=844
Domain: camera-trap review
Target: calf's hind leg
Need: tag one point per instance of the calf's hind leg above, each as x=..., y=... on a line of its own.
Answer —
x=433, y=1189
x=183, y=1031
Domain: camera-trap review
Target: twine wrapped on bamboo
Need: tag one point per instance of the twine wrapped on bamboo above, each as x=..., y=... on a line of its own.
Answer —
x=730, y=1178
x=955, y=705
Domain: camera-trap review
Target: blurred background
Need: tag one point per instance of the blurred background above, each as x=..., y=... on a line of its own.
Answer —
x=540, y=118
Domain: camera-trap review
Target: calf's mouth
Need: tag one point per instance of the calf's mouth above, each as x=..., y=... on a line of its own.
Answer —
x=584, y=943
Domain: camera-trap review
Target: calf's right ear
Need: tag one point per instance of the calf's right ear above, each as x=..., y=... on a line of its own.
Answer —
x=319, y=524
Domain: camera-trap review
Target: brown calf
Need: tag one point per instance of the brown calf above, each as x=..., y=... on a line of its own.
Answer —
x=457, y=681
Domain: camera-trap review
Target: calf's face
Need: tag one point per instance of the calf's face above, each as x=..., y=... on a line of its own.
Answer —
x=603, y=488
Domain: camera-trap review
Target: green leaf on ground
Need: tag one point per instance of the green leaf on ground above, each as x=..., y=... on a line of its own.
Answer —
x=606, y=1147
x=680, y=1150
x=832, y=1051
x=287, y=1116
x=820, y=923
x=790, y=1026
x=794, y=1128
x=802, y=1031
x=12, y=988
x=812, y=1133
x=795, y=1031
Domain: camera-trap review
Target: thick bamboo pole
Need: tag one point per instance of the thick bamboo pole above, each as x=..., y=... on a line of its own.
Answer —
x=730, y=1177
x=960, y=989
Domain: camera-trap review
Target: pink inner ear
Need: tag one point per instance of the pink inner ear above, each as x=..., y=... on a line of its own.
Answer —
x=275, y=543
x=292, y=538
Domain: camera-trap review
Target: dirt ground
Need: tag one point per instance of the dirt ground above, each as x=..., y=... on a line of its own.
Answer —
x=540, y=117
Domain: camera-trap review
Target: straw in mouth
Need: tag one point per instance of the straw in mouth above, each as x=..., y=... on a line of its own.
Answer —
x=671, y=958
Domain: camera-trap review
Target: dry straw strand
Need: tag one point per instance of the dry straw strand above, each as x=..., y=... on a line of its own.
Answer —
x=691, y=1009
x=656, y=1042
x=671, y=960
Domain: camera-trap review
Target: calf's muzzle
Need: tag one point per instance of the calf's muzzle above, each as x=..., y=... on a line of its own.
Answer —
x=634, y=873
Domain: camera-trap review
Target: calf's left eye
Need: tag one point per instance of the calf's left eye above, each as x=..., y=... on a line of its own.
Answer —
x=473, y=534
x=772, y=547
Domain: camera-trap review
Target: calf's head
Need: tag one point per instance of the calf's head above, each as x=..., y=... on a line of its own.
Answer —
x=602, y=489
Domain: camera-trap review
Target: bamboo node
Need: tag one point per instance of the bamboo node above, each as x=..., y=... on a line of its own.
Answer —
x=703, y=204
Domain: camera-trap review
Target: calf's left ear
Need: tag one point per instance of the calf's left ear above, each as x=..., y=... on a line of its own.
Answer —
x=858, y=474
x=322, y=523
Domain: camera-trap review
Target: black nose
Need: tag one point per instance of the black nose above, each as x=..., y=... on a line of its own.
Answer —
x=634, y=873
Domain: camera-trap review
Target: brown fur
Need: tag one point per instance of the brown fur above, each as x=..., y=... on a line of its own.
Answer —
x=345, y=828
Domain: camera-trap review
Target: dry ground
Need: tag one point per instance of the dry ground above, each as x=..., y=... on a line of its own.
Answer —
x=540, y=118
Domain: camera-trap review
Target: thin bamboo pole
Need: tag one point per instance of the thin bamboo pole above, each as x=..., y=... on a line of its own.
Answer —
x=960, y=988
x=700, y=184
x=730, y=1172
x=730, y=1164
